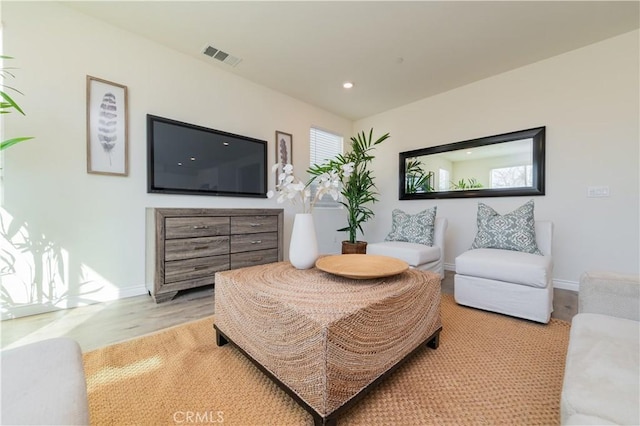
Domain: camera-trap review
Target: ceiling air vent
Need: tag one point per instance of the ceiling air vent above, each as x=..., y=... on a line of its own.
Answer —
x=221, y=56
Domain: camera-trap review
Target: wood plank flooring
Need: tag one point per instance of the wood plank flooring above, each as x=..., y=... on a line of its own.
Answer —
x=106, y=323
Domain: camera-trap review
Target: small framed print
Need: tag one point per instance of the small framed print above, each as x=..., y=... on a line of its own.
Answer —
x=107, y=128
x=284, y=142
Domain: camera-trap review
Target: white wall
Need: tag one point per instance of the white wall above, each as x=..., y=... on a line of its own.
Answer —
x=73, y=237
x=588, y=100
x=78, y=238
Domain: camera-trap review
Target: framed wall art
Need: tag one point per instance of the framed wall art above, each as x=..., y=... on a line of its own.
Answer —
x=284, y=143
x=107, y=128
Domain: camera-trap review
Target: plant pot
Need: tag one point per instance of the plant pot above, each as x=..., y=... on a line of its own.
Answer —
x=359, y=247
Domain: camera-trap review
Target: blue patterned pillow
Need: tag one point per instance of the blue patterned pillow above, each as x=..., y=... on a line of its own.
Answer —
x=512, y=231
x=416, y=228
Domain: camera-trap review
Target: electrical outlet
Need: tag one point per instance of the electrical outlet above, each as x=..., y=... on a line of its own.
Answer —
x=597, y=191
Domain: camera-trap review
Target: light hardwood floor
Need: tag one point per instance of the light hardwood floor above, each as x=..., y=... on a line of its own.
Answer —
x=103, y=324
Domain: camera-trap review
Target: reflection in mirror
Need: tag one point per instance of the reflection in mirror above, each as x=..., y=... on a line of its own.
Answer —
x=503, y=165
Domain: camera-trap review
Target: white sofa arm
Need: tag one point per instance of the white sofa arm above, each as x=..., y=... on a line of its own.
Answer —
x=610, y=294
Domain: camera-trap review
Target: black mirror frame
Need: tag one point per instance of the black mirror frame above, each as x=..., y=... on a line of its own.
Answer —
x=538, y=187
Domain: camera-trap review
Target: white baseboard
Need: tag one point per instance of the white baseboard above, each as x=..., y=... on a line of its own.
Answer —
x=566, y=285
x=560, y=284
x=9, y=312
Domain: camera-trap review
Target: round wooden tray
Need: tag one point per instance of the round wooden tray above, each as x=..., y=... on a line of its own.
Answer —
x=361, y=266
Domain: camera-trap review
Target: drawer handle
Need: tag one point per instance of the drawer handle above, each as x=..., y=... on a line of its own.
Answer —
x=200, y=227
x=199, y=268
x=255, y=225
x=256, y=259
x=201, y=248
x=256, y=242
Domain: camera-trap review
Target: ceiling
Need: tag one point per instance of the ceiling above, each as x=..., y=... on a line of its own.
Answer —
x=394, y=52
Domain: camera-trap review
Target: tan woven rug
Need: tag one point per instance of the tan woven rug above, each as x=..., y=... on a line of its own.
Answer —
x=489, y=369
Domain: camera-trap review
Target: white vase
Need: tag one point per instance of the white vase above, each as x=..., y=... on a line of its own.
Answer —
x=303, y=249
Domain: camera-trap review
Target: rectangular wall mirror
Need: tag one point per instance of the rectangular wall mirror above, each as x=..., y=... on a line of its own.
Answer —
x=510, y=164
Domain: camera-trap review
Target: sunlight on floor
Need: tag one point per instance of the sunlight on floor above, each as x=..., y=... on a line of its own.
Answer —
x=69, y=320
x=111, y=375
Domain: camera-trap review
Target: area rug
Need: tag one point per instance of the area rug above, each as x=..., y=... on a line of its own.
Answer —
x=489, y=369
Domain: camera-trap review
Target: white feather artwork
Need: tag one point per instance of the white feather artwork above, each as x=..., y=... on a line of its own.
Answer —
x=107, y=123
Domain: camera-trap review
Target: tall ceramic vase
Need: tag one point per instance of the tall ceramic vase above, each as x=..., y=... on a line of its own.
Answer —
x=303, y=250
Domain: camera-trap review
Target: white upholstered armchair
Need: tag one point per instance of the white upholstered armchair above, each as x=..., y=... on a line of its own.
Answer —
x=419, y=256
x=509, y=282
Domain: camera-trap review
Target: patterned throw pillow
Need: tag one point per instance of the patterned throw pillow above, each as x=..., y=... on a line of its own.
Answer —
x=416, y=228
x=512, y=231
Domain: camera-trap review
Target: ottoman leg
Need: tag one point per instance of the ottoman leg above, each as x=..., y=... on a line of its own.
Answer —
x=221, y=339
x=322, y=421
x=435, y=340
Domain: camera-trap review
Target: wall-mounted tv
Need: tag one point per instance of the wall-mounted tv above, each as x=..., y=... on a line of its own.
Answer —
x=184, y=158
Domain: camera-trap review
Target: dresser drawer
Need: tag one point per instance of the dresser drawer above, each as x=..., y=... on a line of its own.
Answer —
x=186, y=227
x=251, y=242
x=189, y=269
x=252, y=258
x=186, y=248
x=252, y=224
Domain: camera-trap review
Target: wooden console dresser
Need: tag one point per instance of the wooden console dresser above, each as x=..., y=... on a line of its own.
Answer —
x=186, y=247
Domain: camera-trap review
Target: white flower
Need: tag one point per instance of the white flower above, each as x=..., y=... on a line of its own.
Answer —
x=347, y=169
x=289, y=188
x=328, y=183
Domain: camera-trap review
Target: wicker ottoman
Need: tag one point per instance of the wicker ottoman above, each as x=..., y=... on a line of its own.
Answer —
x=325, y=338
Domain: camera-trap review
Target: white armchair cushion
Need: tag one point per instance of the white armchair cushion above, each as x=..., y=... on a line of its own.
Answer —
x=506, y=265
x=44, y=383
x=412, y=253
x=602, y=370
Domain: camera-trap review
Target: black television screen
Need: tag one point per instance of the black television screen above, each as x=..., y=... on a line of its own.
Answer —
x=188, y=159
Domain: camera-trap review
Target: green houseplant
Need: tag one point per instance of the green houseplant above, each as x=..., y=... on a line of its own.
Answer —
x=7, y=104
x=357, y=187
x=417, y=180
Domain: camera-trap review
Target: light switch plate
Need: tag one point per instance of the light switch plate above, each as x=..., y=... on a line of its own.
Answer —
x=597, y=191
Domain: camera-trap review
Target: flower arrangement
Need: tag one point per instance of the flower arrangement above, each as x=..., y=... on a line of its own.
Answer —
x=346, y=175
x=292, y=189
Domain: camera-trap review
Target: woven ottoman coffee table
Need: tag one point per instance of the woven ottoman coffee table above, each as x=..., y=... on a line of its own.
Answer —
x=323, y=338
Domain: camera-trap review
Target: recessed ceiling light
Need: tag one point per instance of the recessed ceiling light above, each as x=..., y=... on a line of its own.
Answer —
x=347, y=85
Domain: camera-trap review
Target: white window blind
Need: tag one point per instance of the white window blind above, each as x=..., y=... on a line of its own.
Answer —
x=323, y=147
x=443, y=180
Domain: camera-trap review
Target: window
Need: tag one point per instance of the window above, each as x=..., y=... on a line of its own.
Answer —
x=512, y=177
x=443, y=180
x=323, y=146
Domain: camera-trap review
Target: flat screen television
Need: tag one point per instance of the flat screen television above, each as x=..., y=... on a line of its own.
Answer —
x=184, y=158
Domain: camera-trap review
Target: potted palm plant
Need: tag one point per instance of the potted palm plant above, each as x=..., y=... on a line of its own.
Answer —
x=7, y=104
x=357, y=185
